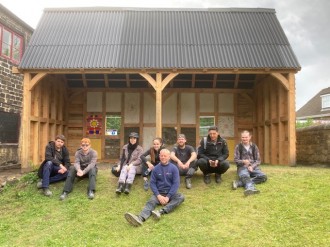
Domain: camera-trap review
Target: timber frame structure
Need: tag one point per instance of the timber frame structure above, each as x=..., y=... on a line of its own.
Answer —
x=61, y=91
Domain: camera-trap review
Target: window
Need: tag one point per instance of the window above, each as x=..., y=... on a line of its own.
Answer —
x=205, y=122
x=11, y=45
x=325, y=101
x=112, y=124
x=9, y=127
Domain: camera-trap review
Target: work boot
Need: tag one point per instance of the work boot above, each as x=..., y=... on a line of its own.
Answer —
x=157, y=214
x=207, y=179
x=64, y=195
x=251, y=191
x=47, y=192
x=218, y=179
x=90, y=194
x=146, y=185
x=120, y=188
x=236, y=184
x=134, y=220
x=188, y=183
x=127, y=188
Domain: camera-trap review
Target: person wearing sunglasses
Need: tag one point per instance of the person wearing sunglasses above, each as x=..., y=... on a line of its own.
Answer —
x=84, y=166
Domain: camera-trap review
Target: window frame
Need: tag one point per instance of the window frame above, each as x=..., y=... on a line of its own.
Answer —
x=13, y=35
x=325, y=101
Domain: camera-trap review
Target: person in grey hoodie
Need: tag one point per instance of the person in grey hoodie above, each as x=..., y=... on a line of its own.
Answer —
x=84, y=165
x=129, y=163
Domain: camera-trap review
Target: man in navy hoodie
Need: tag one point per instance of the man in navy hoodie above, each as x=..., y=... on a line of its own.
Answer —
x=164, y=183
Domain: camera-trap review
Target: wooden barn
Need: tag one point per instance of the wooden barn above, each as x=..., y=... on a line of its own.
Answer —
x=104, y=72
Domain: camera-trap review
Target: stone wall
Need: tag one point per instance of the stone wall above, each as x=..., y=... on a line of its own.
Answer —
x=11, y=91
x=313, y=145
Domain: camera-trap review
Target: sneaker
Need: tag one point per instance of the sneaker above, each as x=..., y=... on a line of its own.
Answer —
x=63, y=196
x=157, y=214
x=146, y=185
x=207, y=178
x=188, y=183
x=39, y=185
x=134, y=220
x=47, y=192
x=91, y=194
x=251, y=191
x=235, y=185
x=218, y=179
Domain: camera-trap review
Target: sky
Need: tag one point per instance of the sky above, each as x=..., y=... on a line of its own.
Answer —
x=305, y=23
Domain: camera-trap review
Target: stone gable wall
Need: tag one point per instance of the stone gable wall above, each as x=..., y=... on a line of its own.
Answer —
x=313, y=145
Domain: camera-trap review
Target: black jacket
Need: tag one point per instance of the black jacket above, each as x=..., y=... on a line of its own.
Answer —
x=218, y=151
x=50, y=156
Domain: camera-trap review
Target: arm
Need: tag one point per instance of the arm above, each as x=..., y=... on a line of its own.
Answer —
x=136, y=156
x=176, y=159
x=224, y=152
x=237, y=155
x=93, y=158
x=175, y=182
x=201, y=151
x=49, y=154
x=255, y=163
x=153, y=181
x=66, y=158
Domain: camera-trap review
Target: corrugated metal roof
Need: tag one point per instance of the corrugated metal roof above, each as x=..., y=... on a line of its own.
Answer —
x=158, y=38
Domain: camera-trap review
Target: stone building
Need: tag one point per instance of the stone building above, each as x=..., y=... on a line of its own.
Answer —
x=14, y=36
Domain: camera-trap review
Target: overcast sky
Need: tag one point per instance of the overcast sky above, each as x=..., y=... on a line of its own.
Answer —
x=305, y=22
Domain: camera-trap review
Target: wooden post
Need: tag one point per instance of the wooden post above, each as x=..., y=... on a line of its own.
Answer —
x=25, y=123
x=292, y=119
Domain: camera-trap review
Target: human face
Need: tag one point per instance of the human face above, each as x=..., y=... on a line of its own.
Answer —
x=213, y=135
x=85, y=146
x=156, y=144
x=181, y=142
x=132, y=140
x=59, y=143
x=245, y=138
x=164, y=156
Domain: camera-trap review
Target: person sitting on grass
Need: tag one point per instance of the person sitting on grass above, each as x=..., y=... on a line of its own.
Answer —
x=148, y=166
x=84, y=165
x=184, y=157
x=55, y=166
x=247, y=159
x=129, y=163
x=164, y=183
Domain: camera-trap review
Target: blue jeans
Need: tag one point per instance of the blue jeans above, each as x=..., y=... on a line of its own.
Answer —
x=50, y=174
x=175, y=201
x=248, y=179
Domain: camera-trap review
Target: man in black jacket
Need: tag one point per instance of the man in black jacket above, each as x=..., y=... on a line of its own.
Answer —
x=212, y=155
x=55, y=166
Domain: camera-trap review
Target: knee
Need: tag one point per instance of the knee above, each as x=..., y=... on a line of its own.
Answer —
x=48, y=165
x=201, y=162
x=225, y=164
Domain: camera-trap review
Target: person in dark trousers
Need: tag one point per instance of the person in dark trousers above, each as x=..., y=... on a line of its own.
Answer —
x=247, y=159
x=129, y=163
x=55, y=166
x=84, y=166
x=184, y=157
x=164, y=183
x=212, y=155
x=148, y=166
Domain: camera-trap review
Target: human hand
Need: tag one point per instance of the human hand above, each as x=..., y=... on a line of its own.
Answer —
x=80, y=173
x=163, y=200
x=250, y=168
x=246, y=163
x=117, y=168
x=150, y=166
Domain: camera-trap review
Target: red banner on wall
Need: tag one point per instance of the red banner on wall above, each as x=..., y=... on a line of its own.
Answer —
x=94, y=124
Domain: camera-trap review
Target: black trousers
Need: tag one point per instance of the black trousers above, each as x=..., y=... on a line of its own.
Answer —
x=73, y=174
x=205, y=167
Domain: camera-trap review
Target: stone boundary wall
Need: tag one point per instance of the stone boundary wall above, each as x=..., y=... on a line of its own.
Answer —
x=313, y=145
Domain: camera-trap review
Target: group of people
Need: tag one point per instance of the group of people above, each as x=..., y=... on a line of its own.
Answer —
x=164, y=168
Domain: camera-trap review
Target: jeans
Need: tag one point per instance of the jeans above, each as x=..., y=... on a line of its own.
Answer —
x=175, y=201
x=183, y=172
x=127, y=176
x=205, y=167
x=50, y=174
x=250, y=178
x=72, y=175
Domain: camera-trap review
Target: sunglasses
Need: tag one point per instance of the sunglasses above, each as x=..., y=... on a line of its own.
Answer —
x=84, y=145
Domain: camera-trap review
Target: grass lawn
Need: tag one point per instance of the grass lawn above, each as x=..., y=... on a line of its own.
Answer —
x=293, y=209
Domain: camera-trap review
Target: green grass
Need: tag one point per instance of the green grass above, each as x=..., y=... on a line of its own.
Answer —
x=293, y=209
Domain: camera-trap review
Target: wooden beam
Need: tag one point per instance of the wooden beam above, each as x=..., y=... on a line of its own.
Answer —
x=25, y=123
x=282, y=79
x=292, y=119
x=36, y=79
